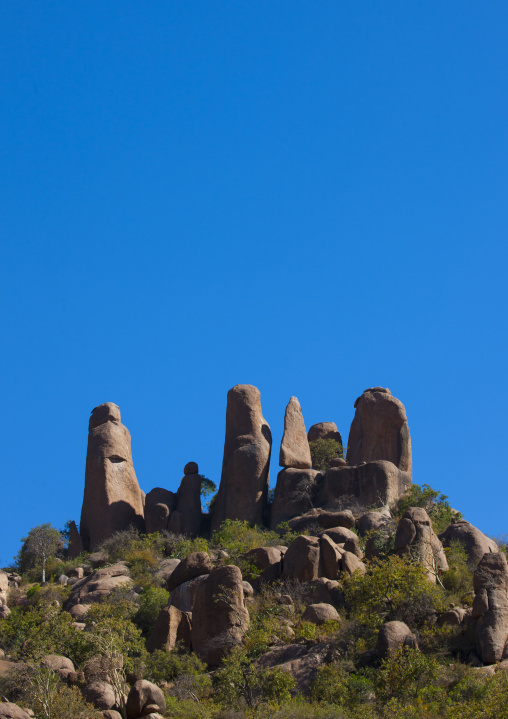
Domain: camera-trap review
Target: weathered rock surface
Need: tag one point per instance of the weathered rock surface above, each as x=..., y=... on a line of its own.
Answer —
x=330, y=557
x=372, y=522
x=8, y=710
x=112, y=500
x=324, y=430
x=320, y=613
x=191, y=468
x=100, y=694
x=294, y=448
x=144, y=694
x=452, y=617
x=159, y=503
x=415, y=537
x=490, y=607
x=322, y=518
x=166, y=568
x=375, y=483
x=346, y=538
x=172, y=626
x=302, y=560
x=474, y=542
x=391, y=636
x=186, y=517
x=294, y=494
x=61, y=665
x=299, y=660
x=267, y=559
x=99, y=584
x=245, y=468
x=379, y=430
x=350, y=563
x=219, y=619
x=192, y=566
x=184, y=596
x=75, y=547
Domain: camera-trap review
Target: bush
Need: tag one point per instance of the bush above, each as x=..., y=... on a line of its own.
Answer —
x=151, y=601
x=435, y=504
x=458, y=580
x=162, y=666
x=237, y=537
x=323, y=451
x=405, y=674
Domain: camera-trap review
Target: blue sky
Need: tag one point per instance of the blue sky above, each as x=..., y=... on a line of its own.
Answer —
x=308, y=197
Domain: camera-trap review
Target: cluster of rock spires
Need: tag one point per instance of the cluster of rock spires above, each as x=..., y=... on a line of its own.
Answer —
x=377, y=470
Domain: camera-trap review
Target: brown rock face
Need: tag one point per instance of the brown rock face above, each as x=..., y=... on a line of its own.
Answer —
x=320, y=613
x=379, y=430
x=324, y=430
x=172, y=627
x=8, y=710
x=294, y=494
x=192, y=566
x=219, y=618
x=186, y=518
x=301, y=561
x=374, y=483
x=416, y=537
x=142, y=697
x=113, y=500
x=294, y=448
x=159, y=503
x=299, y=660
x=330, y=558
x=75, y=543
x=98, y=585
x=323, y=519
x=267, y=559
x=490, y=607
x=246, y=464
x=474, y=542
x=391, y=636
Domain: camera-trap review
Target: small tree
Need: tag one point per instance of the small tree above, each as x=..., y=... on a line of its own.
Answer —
x=42, y=542
x=323, y=451
x=208, y=487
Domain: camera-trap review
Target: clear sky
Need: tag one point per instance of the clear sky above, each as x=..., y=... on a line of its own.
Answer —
x=306, y=196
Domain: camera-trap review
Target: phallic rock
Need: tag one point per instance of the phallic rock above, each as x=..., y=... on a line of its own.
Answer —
x=374, y=483
x=192, y=566
x=100, y=694
x=294, y=448
x=299, y=660
x=302, y=560
x=112, y=500
x=330, y=557
x=171, y=628
x=143, y=694
x=166, y=568
x=416, y=538
x=474, y=542
x=219, y=619
x=350, y=563
x=294, y=494
x=186, y=517
x=391, y=636
x=322, y=518
x=324, y=430
x=267, y=559
x=184, y=596
x=8, y=710
x=75, y=547
x=191, y=468
x=372, y=521
x=490, y=607
x=320, y=613
x=61, y=665
x=246, y=465
x=159, y=503
x=379, y=430
x=98, y=585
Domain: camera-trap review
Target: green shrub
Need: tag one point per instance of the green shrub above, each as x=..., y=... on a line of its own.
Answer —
x=236, y=537
x=405, y=674
x=458, y=580
x=151, y=601
x=435, y=504
x=322, y=451
x=161, y=666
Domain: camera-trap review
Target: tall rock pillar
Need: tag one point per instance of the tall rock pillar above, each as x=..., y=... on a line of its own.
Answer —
x=246, y=465
x=113, y=500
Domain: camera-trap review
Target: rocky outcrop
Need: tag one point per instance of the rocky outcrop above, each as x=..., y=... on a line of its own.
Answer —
x=268, y=560
x=322, y=518
x=391, y=636
x=416, y=538
x=112, y=500
x=99, y=693
x=375, y=483
x=184, y=596
x=246, y=464
x=192, y=566
x=219, y=619
x=324, y=430
x=60, y=665
x=490, y=607
x=159, y=503
x=75, y=547
x=302, y=560
x=8, y=710
x=294, y=494
x=475, y=543
x=98, y=585
x=320, y=613
x=299, y=660
x=379, y=430
x=372, y=522
x=294, y=448
x=144, y=697
x=171, y=628
x=186, y=516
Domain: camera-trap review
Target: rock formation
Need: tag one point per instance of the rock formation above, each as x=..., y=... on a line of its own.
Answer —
x=375, y=483
x=379, y=430
x=324, y=430
x=219, y=619
x=490, y=607
x=112, y=500
x=159, y=503
x=294, y=447
x=416, y=537
x=391, y=636
x=294, y=494
x=475, y=543
x=245, y=469
x=179, y=513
